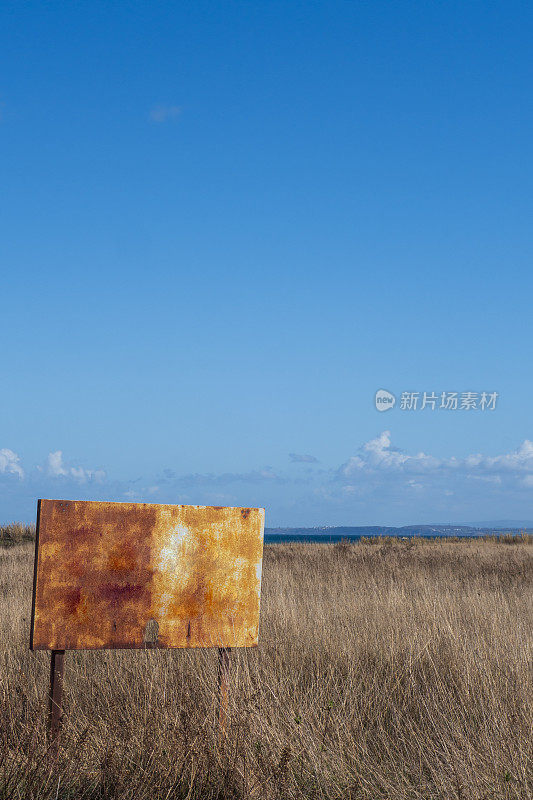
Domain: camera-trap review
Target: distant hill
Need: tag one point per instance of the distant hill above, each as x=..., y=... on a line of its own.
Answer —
x=355, y=532
x=508, y=524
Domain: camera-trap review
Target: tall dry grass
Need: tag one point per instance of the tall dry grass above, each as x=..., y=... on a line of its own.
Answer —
x=391, y=671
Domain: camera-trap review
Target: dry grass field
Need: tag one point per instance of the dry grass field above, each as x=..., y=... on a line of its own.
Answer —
x=390, y=671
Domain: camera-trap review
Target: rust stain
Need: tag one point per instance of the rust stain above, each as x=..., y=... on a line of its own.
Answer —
x=106, y=571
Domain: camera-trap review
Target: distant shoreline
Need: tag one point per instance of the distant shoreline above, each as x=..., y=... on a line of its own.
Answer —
x=355, y=534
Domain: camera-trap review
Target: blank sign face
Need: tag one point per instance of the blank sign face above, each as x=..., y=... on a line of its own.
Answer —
x=121, y=575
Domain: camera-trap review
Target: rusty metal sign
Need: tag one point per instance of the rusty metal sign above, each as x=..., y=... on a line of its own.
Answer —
x=132, y=575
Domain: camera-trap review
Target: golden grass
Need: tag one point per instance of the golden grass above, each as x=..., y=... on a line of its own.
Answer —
x=385, y=671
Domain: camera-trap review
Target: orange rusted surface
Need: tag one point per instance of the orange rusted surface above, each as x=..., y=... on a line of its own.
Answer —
x=123, y=575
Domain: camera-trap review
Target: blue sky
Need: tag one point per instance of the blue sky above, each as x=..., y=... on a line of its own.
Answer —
x=226, y=225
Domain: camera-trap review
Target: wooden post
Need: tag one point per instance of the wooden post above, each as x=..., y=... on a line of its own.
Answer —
x=56, y=699
x=223, y=689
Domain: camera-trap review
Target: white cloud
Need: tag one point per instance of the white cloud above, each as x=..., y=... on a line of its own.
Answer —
x=162, y=113
x=379, y=457
x=378, y=454
x=519, y=460
x=57, y=469
x=55, y=464
x=10, y=463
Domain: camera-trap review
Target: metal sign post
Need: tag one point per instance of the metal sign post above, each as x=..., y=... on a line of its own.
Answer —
x=55, y=698
x=223, y=689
